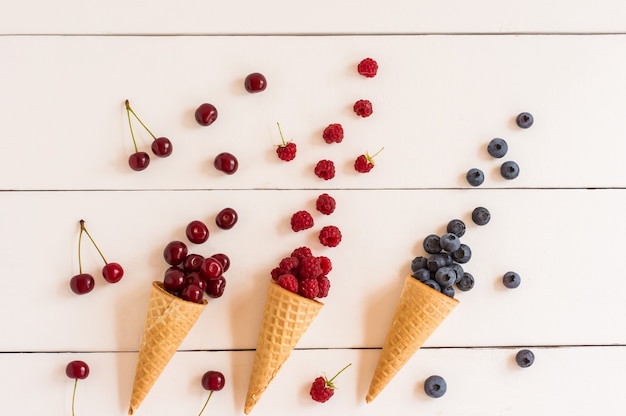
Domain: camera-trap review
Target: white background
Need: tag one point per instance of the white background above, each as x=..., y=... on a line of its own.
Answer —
x=453, y=75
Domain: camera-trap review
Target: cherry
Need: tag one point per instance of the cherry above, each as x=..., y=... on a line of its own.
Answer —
x=206, y=114
x=223, y=259
x=175, y=252
x=112, y=272
x=192, y=293
x=139, y=160
x=226, y=218
x=197, y=232
x=162, y=146
x=174, y=279
x=226, y=162
x=255, y=82
x=211, y=268
x=194, y=278
x=82, y=283
x=77, y=370
x=192, y=263
x=215, y=287
x=212, y=381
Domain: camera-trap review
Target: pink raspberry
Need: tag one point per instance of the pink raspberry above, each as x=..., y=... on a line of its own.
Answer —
x=365, y=163
x=288, y=281
x=368, y=67
x=308, y=287
x=287, y=151
x=301, y=220
x=325, y=169
x=310, y=267
x=326, y=264
x=288, y=264
x=330, y=236
x=275, y=273
x=363, y=108
x=324, y=286
x=325, y=204
x=333, y=133
x=301, y=252
x=319, y=392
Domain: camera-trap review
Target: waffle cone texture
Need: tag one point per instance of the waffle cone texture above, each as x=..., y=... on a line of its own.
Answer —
x=420, y=310
x=286, y=318
x=168, y=321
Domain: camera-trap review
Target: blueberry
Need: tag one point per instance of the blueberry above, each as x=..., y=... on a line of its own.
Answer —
x=458, y=269
x=421, y=274
x=481, y=216
x=463, y=254
x=511, y=280
x=445, y=276
x=475, y=177
x=448, y=291
x=431, y=244
x=524, y=358
x=524, y=120
x=436, y=261
x=466, y=283
x=435, y=386
x=418, y=262
x=497, y=148
x=509, y=170
x=449, y=242
x=456, y=227
x=433, y=284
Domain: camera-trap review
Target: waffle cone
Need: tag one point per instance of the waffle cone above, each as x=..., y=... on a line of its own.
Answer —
x=420, y=310
x=286, y=318
x=168, y=321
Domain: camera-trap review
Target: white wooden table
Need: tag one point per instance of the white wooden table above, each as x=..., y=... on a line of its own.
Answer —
x=452, y=76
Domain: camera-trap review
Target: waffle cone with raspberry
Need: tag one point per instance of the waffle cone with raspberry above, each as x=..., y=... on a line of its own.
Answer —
x=420, y=310
x=286, y=318
x=168, y=321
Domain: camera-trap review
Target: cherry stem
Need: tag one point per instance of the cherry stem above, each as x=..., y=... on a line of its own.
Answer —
x=74, y=394
x=130, y=110
x=205, y=403
x=80, y=238
x=83, y=228
x=340, y=371
x=281, y=134
x=130, y=125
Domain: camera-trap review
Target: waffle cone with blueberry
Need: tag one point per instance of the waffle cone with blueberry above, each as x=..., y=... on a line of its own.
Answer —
x=420, y=310
x=286, y=317
x=168, y=321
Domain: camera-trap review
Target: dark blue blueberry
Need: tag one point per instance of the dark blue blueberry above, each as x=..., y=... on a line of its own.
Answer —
x=449, y=242
x=421, y=274
x=435, y=386
x=524, y=120
x=511, y=280
x=433, y=284
x=463, y=254
x=458, y=269
x=481, y=216
x=524, y=358
x=431, y=244
x=456, y=227
x=436, y=261
x=418, y=262
x=466, y=283
x=475, y=177
x=497, y=148
x=445, y=276
x=448, y=291
x=509, y=170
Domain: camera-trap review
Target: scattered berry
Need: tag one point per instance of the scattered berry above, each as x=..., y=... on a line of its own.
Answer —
x=226, y=162
x=456, y=227
x=255, y=82
x=365, y=163
x=525, y=358
x=324, y=286
x=206, y=114
x=524, y=120
x=363, y=108
x=226, y=218
x=333, y=133
x=197, y=232
x=325, y=169
x=287, y=150
x=212, y=381
x=308, y=287
x=161, y=146
x=301, y=220
x=367, y=67
x=82, y=283
x=325, y=204
x=511, y=280
x=78, y=370
x=481, y=216
x=288, y=281
x=509, y=170
x=330, y=236
x=175, y=252
x=475, y=177
x=323, y=389
x=466, y=282
x=435, y=386
x=497, y=148
x=432, y=244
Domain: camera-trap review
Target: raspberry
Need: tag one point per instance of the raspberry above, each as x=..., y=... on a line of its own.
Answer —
x=310, y=267
x=333, y=133
x=287, y=151
x=324, y=286
x=330, y=236
x=288, y=264
x=363, y=108
x=301, y=252
x=288, y=281
x=325, y=204
x=325, y=169
x=308, y=287
x=326, y=264
x=365, y=163
x=319, y=392
x=275, y=273
x=301, y=220
x=368, y=67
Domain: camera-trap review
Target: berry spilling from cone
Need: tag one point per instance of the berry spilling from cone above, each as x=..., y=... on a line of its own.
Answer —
x=303, y=273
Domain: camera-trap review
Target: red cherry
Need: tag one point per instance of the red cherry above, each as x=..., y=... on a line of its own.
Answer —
x=192, y=263
x=206, y=114
x=77, y=369
x=197, y=232
x=211, y=268
x=255, y=82
x=215, y=287
x=194, y=278
x=226, y=162
x=192, y=293
x=174, y=279
x=112, y=272
x=223, y=259
x=162, y=147
x=139, y=161
x=226, y=218
x=82, y=283
x=175, y=252
x=213, y=381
